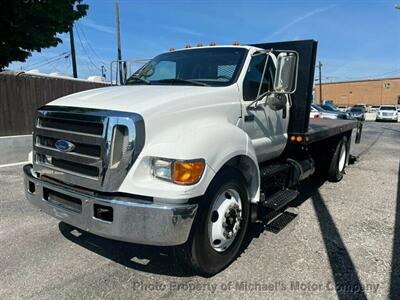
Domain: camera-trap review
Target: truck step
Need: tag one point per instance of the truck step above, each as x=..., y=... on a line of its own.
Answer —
x=280, y=199
x=280, y=222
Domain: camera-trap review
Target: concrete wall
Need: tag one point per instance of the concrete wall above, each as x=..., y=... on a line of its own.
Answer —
x=15, y=149
x=370, y=92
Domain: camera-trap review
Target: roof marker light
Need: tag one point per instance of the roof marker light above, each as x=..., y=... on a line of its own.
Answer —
x=213, y=44
x=199, y=45
x=187, y=46
x=171, y=49
x=236, y=43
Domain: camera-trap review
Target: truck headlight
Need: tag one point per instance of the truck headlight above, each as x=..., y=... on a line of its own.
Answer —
x=184, y=172
x=162, y=168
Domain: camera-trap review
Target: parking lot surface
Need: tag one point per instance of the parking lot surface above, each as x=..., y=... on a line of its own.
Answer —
x=344, y=243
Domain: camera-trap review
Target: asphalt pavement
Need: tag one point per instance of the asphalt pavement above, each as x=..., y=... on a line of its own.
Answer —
x=343, y=242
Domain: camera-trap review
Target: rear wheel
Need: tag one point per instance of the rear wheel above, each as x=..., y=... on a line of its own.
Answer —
x=220, y=226
x=339, y=159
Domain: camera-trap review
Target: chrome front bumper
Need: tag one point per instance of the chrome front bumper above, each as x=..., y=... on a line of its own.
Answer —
x=132, y=221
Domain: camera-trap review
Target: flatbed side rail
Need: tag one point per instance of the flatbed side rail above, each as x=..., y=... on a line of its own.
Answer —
x=322, y=129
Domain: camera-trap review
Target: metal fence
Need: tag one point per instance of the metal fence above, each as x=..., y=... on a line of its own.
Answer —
x=21, y=94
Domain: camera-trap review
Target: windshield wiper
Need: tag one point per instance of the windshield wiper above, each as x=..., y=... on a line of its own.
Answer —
x=136, y=79
x=180, y=81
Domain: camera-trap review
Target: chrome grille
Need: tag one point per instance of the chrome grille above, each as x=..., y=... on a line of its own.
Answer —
x=105, y=145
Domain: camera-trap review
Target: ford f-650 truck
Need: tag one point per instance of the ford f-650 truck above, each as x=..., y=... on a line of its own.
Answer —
x=190, y=150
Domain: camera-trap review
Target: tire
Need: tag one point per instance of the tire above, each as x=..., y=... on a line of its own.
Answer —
x=339, y=160
x=198, y=253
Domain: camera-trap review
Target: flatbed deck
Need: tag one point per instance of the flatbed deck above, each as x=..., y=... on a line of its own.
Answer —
x=321, y=129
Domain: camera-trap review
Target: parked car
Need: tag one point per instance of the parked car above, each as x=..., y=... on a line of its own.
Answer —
x=374, y=108
x=314, y=114
x=342, y=108
x=333, y=109
x=358, y=112
x=361, y=105
x=398, y=108
x=387, y=113
x=324, y=114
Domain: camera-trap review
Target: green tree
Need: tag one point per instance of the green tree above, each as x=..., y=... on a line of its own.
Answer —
x=30, y=25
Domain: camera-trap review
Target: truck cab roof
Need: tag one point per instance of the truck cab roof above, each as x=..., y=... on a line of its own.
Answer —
x=218, y=46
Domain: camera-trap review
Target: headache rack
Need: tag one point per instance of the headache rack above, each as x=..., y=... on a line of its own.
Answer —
x=100, y=145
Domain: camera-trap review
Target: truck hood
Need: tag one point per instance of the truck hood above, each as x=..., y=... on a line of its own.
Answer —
x=149, y=100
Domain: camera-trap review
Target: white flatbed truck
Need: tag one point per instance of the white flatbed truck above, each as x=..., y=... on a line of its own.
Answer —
x=189, y=151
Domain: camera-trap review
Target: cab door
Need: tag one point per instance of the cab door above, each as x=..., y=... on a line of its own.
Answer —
x=266, y=128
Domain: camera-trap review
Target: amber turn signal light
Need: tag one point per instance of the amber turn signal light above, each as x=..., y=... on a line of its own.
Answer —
x=188, y=172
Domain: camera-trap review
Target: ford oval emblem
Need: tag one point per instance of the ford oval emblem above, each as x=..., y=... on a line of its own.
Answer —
x=64, y=146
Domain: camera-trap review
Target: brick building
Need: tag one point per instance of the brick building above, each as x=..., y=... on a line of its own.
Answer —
x=370, y=92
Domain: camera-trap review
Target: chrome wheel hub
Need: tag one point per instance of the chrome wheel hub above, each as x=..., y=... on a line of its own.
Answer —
x=342, y=158
x=224, y=220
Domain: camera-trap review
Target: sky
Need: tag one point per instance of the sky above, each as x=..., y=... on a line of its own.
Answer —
x=356, y=39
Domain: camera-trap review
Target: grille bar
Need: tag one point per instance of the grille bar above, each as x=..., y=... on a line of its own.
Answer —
x=80, y=149
x=72, y=157
x=71, y=125
x=71, y=136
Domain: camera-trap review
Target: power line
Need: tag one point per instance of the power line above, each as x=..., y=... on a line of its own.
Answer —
x=49, y=60
x=90, y=45
x=86, y=52
x=55, y=65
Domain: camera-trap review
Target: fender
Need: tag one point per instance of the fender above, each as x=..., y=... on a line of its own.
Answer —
x=216, y=147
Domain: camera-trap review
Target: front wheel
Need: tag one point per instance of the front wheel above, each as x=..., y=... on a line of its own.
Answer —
x=220, y=226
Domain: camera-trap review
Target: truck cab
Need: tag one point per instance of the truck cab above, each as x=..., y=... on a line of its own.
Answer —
x=187, y=151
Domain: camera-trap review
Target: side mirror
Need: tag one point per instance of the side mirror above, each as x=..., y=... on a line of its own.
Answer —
x=286, y=73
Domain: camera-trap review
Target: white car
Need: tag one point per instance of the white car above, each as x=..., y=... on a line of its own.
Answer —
x=387, y=113
x=374, y=108
x=342, y=108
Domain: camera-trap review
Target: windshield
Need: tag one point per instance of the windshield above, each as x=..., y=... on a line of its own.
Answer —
x=206, y=67
x=357, y=109
x=388, y=108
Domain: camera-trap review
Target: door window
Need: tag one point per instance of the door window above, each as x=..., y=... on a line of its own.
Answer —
x=254, y=73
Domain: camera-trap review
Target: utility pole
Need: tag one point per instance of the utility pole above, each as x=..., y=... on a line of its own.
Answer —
x=119, y=42
x=103, y=72
x=73, y=56
x=320, y=82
